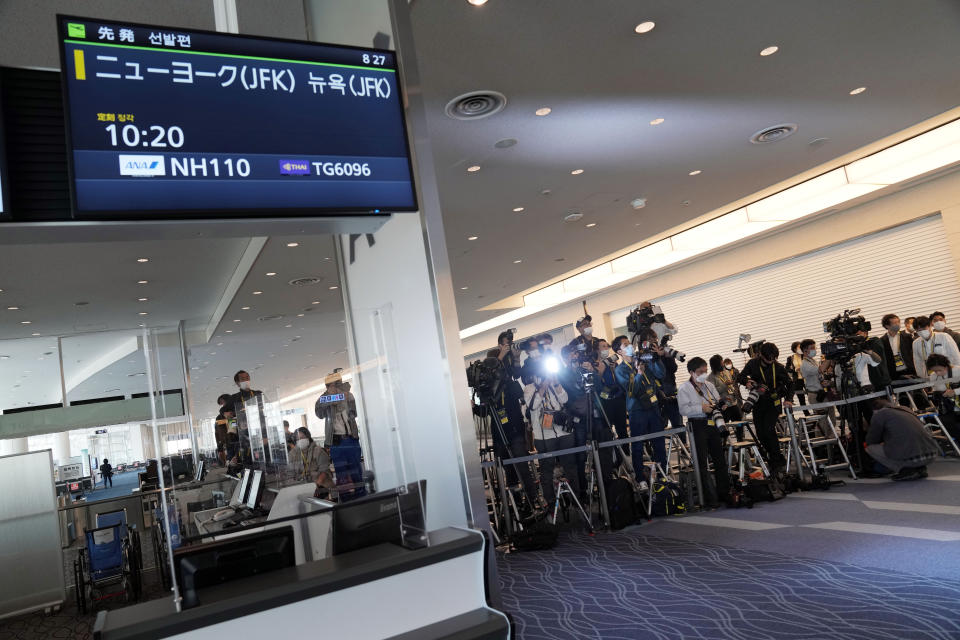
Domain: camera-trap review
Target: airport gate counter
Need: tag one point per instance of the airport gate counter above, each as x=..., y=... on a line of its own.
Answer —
x=410, y=586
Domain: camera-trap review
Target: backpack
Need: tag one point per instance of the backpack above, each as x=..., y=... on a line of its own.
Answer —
x=621, y=503
x=539, y=536
x=668, y=499
x=768, y=489
x=738, y=496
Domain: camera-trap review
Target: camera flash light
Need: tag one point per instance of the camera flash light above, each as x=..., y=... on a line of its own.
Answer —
x=551, y=364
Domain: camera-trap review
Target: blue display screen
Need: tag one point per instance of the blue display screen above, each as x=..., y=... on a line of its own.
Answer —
x=167, y=122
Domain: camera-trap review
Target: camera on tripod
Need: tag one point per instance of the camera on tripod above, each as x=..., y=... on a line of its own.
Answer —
x=485, y=377
x=643, y=317
x=845, y=341
x=585, y=380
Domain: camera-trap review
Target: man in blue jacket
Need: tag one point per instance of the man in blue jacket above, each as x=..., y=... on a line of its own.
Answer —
x=642, y=384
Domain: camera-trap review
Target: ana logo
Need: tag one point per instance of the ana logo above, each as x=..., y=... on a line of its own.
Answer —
x=294, y=168
x=142, y=166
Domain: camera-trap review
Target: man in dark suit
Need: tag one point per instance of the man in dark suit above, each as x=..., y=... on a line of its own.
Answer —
x=897, y=349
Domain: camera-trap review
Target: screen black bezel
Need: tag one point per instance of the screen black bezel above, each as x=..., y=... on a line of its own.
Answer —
x=220, y=214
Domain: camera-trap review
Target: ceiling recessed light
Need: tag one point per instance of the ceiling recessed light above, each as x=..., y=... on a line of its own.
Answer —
x=35, y=334
x=464, y=288
x=141, y=282
x=517, y=261
x=474, y=168
x=300, y=315
x=142, y=299
x=142, y=313
x=213, y=353
x=219, y=344
x=769, y=51
x=591, y=225
x=271, y=273
x=473, y=237
x=315, y=302
x=543, y=111
x=256, y=293
x=229, y=331
x=13, y=308
x=645, y=27
x=287, y=326
x=695, y=172
x=858, y=90
x=25, y=322
x=236, y=321
x=477, y=3
x=517, y=209
x=245, y=308
x=293, y=244
x=656, y=121
x=333, y=287
x=143, y=259
x=576, y=172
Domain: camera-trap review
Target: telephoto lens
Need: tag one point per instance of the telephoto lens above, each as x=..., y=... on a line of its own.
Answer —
x=751, y=400
x=673, y=353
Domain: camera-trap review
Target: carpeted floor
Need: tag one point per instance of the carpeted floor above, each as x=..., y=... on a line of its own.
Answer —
x=123, y=483
x=871, y=560
x=626, y=585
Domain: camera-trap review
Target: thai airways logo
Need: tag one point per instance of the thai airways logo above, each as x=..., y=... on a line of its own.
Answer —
x=294, y=168
x=142, y=166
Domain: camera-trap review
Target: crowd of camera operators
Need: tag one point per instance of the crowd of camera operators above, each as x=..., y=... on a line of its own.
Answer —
x=597, y=389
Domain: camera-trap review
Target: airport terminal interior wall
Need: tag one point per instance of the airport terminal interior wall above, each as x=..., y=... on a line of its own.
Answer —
x=940, y=195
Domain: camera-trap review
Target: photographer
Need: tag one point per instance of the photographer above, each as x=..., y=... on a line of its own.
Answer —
x=793, y=364
x=898, y=440
x=812, y=373
x=725, y=381
x=545, y=398
x=897, y=349
x=533, y=363
x=946, y=381
x=930, y=342
x=612, y=398
x=667, y=358
x=702, y=404
x=641, y=384
x=939, y=322
x=586, y=343
x=769, y=385
x=506, y=398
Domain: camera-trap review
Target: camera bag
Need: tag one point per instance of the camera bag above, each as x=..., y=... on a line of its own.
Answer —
x=621, y=503
x=668, y=499
x=538, y=536
x=765, y=489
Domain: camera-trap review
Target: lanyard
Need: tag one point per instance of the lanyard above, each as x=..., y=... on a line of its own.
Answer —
x=774, y=369
x=696, y=387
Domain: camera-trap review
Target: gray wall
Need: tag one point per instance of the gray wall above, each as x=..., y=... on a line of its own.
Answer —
x=28, y=37
x=274, y=19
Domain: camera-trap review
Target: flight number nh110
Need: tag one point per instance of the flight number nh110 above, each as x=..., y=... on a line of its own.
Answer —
x=193, y=167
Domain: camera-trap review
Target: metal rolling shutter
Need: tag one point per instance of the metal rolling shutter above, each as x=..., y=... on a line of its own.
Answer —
x=907, y=270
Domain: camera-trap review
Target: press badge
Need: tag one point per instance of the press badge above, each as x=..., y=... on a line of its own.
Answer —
x=898, y=361
x=776, y=399
x=502, y=414
x=604, y=395
x=547, y=421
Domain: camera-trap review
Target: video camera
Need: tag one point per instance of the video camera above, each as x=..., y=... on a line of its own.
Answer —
x=844, y=342
x=486, y=378
x=641, y=321
x=641, y=318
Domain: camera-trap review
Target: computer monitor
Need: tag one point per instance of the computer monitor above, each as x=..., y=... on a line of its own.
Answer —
x=240, y=492
x=371, y=520
x=208, y=565
x=201, y=470
x=256, y=490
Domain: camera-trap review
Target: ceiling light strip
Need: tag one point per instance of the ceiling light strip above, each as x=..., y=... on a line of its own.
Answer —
x=935, y=149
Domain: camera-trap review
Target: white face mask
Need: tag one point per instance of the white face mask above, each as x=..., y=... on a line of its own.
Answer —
x=799, y=351
x=605, y=353
x=811, y=353
x=245, y=385
x=303, y=443
x=702, y=377
x=728, y=367
x=939, y=325
x=895, y=328
x=628, y=351
x=588, y=331
x=924, y=333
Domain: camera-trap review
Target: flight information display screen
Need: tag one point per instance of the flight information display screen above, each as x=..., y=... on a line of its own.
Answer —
x=166, y=123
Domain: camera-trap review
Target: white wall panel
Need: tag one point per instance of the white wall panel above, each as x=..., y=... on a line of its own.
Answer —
x=907, y=270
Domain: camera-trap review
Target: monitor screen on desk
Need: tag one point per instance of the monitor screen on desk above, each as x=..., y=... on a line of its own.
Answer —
x=256, y=490
x=208, y=565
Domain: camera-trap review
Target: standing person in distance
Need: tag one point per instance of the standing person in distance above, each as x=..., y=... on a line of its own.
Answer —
x=641, y=384
x=221, y=428
x=310, y=462
x=939, y=322
x=812, y=372
x=508, y=353
x=725, y=381
x=612, y=398
x=793, y=364
x=698, y=399
x=908, y=323
x=591, y=343
x=341, y=435
x=668, y=365
x=764, y=371
x=897, y=349
x=929, y=342
x=106, y=470
x=545, y=398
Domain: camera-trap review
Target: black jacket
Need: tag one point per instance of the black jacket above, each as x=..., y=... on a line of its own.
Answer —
x=880, y=375
x=773, y=376
x=906, y=351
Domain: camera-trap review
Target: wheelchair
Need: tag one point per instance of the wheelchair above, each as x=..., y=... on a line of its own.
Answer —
x=110, y=565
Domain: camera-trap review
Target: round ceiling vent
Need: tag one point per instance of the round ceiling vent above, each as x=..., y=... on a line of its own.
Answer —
x=774, y=133
x=475, y=105
x=269, y=318
x=306, y=282
x=572, y=217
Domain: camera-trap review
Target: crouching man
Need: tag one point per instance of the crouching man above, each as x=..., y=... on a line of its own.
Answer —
x=898, y=440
